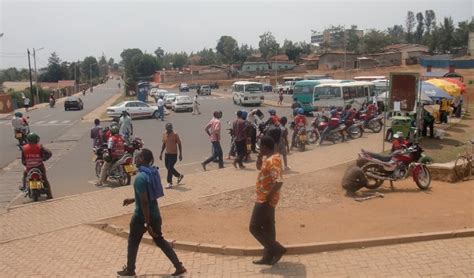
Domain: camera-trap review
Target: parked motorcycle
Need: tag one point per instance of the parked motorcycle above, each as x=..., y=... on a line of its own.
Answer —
x=354, y=129
x=374, y=124
x=396, y=166
x=322, y=122
x=35, y=186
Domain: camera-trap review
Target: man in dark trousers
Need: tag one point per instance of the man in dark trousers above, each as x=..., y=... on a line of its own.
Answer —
x=172, y=144
x=147, y=218
x=239, y=128
x=269, y=182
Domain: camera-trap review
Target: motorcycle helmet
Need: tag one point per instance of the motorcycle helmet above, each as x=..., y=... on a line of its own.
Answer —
x=272, y=112
x=33, y=138
x=18, y=114
x=300, y=111
x=333, y=112
x=114, y=129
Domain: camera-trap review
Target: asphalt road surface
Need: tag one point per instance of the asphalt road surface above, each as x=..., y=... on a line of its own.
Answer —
x=50, y=123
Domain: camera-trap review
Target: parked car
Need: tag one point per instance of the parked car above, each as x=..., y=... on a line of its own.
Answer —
x=182, y=103
x=204, y=90
x=169, y=98
x=157, y=92
x=267, y=88
x=136, y=109
x=183, y=87
x=73, y=102
x=194, y=86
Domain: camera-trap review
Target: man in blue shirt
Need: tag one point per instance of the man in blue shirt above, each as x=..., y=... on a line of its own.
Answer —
x=146, y=217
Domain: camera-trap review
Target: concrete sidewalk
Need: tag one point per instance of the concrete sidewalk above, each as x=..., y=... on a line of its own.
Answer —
x=51, y=239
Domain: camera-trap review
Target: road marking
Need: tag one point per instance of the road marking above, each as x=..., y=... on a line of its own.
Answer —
x=52, y=122
x=66, y=121
x=39, y=122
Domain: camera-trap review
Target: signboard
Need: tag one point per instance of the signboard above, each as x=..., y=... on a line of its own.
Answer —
x=403, y=91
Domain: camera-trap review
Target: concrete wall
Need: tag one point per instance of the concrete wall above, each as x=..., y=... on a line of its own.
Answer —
x=387, y=59
x=336, y=61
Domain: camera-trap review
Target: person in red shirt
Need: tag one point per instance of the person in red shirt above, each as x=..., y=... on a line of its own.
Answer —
x=334, y=122
x=400, y=142
x=33, y=155
x=116, y=147
x=371, y=109
x=299, y=122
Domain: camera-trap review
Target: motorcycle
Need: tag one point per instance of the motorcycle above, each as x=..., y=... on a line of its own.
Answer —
x=35, y=184
x=319, y=124
x=20, y=135
x=354, y=129
x=395, y=166
x=135, y=145
x=301, y=139
x=374, y=124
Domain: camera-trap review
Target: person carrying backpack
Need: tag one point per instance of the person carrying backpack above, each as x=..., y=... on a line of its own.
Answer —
x=147, y=218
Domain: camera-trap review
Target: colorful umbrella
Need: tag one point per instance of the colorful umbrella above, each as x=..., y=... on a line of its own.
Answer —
x=457, y=82
x=448, y=87
x=433, y=92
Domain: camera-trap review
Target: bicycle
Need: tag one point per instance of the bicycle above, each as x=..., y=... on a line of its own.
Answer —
x=463, y=164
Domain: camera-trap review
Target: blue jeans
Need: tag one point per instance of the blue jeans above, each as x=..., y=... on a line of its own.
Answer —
x=161, y=112
x=216, y=153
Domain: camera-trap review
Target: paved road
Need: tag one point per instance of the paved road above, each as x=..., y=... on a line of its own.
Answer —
x=51, y=123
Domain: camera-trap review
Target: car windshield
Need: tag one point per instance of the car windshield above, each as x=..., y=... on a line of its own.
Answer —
x=72, y=99
x=183, y=99
x=252, y=88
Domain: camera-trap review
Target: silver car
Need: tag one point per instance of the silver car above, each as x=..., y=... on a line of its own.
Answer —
x=182, y=103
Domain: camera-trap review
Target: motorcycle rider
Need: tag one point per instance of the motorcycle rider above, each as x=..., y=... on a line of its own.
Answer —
x=299, y=122
x=334, y=122
x=52, y=100
x=116, y=149
x=20, y=123
x=371, y=110
x=274, y=119
x=33, y=155
x=400, y=142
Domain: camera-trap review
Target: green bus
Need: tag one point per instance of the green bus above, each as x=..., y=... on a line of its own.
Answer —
x=303, y=92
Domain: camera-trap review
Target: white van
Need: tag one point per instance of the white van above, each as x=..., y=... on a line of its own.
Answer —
x=247, y=93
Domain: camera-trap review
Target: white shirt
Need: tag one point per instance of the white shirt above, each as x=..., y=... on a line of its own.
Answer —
x=159, y=102
x=125, y=125
x=27, y=101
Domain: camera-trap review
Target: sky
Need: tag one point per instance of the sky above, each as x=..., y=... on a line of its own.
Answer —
x=76, y=29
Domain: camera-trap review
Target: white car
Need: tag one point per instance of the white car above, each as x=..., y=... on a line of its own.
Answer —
x=169, y=98
x=182, y=103
x=136, y=109
x=157, y=92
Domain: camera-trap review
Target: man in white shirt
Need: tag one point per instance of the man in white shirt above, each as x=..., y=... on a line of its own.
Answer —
x=26, y=103
x=161, y=108
x=126, y=127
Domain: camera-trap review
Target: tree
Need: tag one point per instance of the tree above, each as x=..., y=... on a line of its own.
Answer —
x=291, y=50
x=110, y=62
x=180, y=60
x=374, y=41
x=396, y=34
x=430, y=20
x=145, y=65
x=228, y=48
x=89, y=67
x=243, y=53
x=268, y=45
x=159, y=53
x=409, y=25
x=127, y=55
x=420, y=28
x=54, y=72
x=103, y=66
x=208, y=57
x=352, y=39
x=446, y=31
x=461, y=35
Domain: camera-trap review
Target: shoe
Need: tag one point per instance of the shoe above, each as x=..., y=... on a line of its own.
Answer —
x=277, y=257
x=169, y=186
x=221, y=167
x=181, y=177
x=98, y=184
x=287, y=168
x=235, y=164
x=126, y=272
x=242, y=166
x=179, y=271
x=203, y=166
x=263, y=261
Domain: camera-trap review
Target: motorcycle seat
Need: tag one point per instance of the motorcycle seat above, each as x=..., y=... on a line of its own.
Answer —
x=381, y=157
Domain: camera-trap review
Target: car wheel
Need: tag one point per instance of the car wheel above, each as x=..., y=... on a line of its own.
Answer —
x=65, y=108
x=156, y=114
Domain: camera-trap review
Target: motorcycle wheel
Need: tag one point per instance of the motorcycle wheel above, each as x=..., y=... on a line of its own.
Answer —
x=35, y=193
x=423, y=178
x=301, y=146
x=372, y=183
x=335, y=138
x=375, y=126
x=313, y=137
x=354, y=133
x=124, y=178
x=98, y=168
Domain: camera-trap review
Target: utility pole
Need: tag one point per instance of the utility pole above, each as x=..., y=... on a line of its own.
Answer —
x=36, y=76
x=31, y=79
x=345, y=54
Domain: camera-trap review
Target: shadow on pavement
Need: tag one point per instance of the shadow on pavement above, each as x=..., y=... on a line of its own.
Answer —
x=281, y=268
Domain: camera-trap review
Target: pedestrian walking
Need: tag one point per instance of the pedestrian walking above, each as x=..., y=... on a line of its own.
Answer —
x=172, y=145
x=196, y=106
x=269, y=183
x=97, y=134
x=161, y=108
x=146, y=218
x=126, y=126
x=280, y=97
x=443, y=111
x=457, y=106
x=26, y=103
x=213, y=129
x=283, y=146
x=239, y=130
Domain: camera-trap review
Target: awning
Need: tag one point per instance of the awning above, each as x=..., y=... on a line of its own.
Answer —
x=448, y=87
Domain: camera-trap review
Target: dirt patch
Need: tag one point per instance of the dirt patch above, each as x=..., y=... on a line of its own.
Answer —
x=314, y=208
